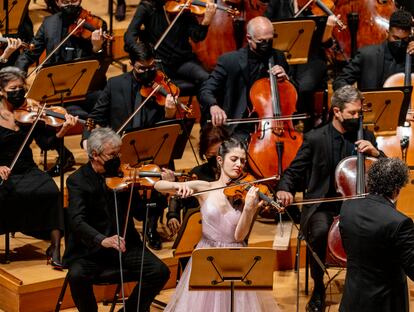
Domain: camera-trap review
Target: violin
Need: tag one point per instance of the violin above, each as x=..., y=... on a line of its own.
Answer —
x=197, y=7
x=320, y=8
x=24, y=45
x=91, y=24
x=163, y=87
x=53, y=116
x=144, y=176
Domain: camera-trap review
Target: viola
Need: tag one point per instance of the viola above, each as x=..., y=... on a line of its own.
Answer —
x=350, y=180
x=320, y=8
x=53, y=116
x=197, y=7
x=163, y=87
x=91, y=24
x=275, y=143
x=144, y=176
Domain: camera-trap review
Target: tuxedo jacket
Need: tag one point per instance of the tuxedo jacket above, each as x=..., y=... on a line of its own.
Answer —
x=91, y=216
x=379, y=243
x=228, y=85
x=313, y=165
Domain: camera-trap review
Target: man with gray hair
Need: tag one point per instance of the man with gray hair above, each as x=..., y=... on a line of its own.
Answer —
x=92, y=243
x=225, y=94
x=314, y=166
x=379, y=243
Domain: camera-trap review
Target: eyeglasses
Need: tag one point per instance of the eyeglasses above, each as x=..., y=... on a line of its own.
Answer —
x=111, y=156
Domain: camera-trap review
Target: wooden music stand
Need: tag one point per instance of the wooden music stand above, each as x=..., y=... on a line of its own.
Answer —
x=385, y=108
x=9, y=23
x=232, y=268
x=152, y=145
x=293, y=37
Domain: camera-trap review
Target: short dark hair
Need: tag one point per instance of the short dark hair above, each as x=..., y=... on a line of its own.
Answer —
x=345, y=94
x=229, y=144
x=387, y=175
x=141, y=52
x=401, y=19
x=210, y=135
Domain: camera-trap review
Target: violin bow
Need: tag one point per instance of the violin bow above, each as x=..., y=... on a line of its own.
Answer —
x=81, y=22
x=251, y=120
x=187, y=4
x=40, y=112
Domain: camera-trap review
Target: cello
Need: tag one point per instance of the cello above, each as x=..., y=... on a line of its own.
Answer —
x=350, y=181
x=275, y=143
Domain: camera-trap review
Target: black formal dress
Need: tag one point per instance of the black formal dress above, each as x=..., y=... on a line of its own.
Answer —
x=379, y=243
x=29, y=198
x=314, y=167
x=54, y=29
x=370, y=67
x=228, y=86
x=91, y=219
x=175, y=52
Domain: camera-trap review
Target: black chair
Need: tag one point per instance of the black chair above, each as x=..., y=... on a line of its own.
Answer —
x=107, y=277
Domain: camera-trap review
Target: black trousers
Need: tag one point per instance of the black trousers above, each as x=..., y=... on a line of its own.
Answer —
x=319, y=224
x=84, y=271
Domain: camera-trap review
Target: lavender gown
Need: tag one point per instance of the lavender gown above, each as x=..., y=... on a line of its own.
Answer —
x=218, y=231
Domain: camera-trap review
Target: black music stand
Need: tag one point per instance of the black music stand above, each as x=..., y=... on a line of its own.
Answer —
x=11, y=15
x=385, y=109
x=293, y=37
x=232, y=268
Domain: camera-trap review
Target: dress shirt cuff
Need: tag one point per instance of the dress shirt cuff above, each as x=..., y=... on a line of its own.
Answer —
x=99, y=238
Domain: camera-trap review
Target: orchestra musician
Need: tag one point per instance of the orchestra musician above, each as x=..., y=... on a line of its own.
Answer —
x=379, y=243
x=373, y=64
x=120, y=98
x=313, y=75
x=175, y=52
x=92, y=243
x=52, y=30
x=225, y=94
x=29, y=198
x=315, y=164
x=222, y=226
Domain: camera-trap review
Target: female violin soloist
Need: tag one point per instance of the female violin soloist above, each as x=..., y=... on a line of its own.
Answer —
x=223, y=226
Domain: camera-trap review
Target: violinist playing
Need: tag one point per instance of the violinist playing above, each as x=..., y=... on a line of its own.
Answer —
x=373, y=64
x=29, y=198
x=222, y=226
x=92, y=240
x=313, y=75
x=322, y=149
x=55, y=28
x=225, y=94
x=175, y=52
x=121, y=96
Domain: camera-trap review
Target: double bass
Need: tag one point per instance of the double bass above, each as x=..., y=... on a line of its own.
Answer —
x=275, y=143
x=350, y=181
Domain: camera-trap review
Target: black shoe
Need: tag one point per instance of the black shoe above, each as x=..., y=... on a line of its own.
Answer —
x=154, y=240
x=67, y=166
x=316, y=302
x=120, y=12
x=52, y=259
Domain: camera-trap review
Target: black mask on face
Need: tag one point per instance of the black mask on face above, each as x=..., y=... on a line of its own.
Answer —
x=16, y=97
x=264, y=48
x=70, y=11
x=111, y=166
x=398, y=49
x=146, y=77
x=350, y=124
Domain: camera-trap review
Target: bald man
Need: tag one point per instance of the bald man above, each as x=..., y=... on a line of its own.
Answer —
x=225, y=94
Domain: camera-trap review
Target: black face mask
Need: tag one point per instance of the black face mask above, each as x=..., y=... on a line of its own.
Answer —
x=70, y=11
x=146, y=77
x=350, y=124
x=111, y=167
x=264, y=48
x=16, y=97
x=398, y=49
